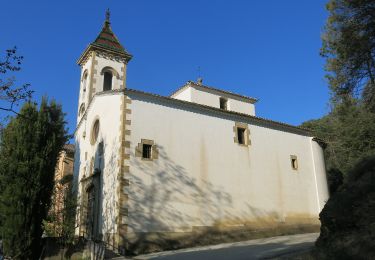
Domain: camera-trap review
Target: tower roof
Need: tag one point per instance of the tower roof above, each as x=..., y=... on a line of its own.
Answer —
x=107, y=41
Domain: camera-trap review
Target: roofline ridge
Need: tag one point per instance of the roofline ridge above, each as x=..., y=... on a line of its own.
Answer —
x=254, y=100
x=257, y=118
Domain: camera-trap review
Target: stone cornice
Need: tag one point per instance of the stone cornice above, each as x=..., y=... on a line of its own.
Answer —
x=111, y=54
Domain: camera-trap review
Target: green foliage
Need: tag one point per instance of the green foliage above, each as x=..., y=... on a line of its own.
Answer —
x=347, y=220
x=335, y=180
x=61, y=223
x=348, y=45
x=347, y=230
x=69, y=213
x=349, y=131
x=29, y=148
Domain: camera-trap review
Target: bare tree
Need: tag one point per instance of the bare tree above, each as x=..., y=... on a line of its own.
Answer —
x=10, y=94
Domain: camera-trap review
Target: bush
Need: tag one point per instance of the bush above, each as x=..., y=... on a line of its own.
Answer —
x=348, y=218
x=335, y=179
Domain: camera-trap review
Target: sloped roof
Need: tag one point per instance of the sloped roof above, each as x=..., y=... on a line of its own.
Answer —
x=107, y=41
x=263, y=121
x=221, y=111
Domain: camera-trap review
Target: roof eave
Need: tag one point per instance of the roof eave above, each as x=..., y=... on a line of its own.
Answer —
x=323, y=143
x=228, y=112
x=126, y=56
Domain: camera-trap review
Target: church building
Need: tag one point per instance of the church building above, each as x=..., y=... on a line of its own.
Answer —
x=199, y=158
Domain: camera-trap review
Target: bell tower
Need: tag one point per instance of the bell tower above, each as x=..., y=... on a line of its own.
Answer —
x=103, y=66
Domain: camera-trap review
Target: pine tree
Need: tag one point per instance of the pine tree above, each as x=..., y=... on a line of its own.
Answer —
x=349, y=131
x=349, y=46
x=29, y=148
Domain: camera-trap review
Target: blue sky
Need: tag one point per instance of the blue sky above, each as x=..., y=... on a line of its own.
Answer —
x=263, y=49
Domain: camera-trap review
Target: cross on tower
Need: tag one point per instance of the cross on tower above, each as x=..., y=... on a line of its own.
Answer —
x=107, y=16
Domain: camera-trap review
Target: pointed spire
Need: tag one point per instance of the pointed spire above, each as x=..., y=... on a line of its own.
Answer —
x=107, y=41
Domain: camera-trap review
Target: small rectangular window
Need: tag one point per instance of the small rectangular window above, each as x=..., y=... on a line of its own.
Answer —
x=294, y=162
x=224, y=103
x=241, y=135
x=146, y=151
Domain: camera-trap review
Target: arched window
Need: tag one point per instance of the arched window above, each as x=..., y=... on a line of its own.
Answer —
x=84, y=83
x=95, y=132
x=107, y=85
x=82, y=109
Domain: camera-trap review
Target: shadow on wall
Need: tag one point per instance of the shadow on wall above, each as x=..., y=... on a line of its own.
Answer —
x=103, y=214
x=109, y=169
x=168, y=208
x=163, y=197
x=75, y=182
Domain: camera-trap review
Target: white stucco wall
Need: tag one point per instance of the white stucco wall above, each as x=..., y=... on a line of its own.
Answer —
x=241, y=107
x=320, y=174
x=84, y=95
x=184, y=94
x=106, y=108
x=203, y=177
x=102, y=63
x=209, y=97
x=96, y=78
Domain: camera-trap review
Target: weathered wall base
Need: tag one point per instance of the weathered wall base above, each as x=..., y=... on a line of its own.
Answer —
x=142, y=242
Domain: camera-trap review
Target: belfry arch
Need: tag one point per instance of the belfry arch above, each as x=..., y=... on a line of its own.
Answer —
x=108, y=73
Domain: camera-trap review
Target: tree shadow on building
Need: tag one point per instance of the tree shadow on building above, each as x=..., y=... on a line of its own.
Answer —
x=167, y=206
x=171, y=209
x=97, y=221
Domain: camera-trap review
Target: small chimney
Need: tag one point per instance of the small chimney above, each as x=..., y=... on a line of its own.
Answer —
x=199, y=81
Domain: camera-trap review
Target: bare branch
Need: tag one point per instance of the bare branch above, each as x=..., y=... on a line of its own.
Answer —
x=9, y=92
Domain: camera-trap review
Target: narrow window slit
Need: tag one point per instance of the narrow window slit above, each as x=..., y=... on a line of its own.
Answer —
x=294, y=162
x=224, y=103
x=146, y=151
x=241, y=135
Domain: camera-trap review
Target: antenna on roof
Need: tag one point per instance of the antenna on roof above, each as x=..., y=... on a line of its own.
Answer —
x=200, y=79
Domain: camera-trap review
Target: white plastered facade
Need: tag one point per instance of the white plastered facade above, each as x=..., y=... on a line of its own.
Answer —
x=106, y=108
x=198, y=174
x=203, y=178
x=208, y=96
x=107, y=163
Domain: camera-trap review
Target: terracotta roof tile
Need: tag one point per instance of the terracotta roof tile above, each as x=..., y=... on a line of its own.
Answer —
x=106, y=41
